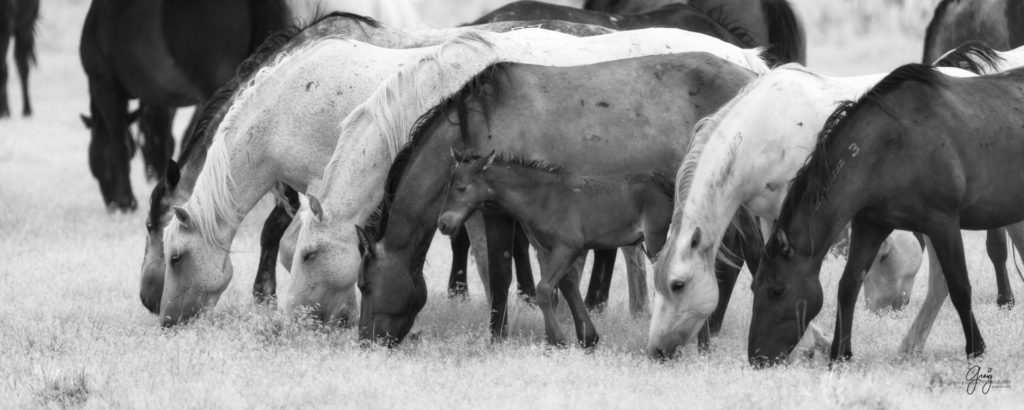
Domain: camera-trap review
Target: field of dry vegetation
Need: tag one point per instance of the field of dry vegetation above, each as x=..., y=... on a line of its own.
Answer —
x=73, y=333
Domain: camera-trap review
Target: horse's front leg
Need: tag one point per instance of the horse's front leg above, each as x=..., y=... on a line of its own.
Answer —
x=569, y=285
x=950, y=250
x=457, y=281
x=500, y=237
x=865, y=239
x=995, y=244
x=264, y=288
x=554, y=267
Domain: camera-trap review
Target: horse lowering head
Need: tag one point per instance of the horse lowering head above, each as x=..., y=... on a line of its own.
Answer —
x=387, y=316
x=153, y=269
x=890, y=281
x=321, y=285
x=198, y=268
x=685, y=294
x=110, y=163
x=466, y=192
x=787, y=294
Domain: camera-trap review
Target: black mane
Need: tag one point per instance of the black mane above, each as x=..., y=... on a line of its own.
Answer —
x=974, y=56
x=813, y=176
x=521, y=161
x=377, y=223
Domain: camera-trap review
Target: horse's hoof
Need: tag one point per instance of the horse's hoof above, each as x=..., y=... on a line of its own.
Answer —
x=1005, y=302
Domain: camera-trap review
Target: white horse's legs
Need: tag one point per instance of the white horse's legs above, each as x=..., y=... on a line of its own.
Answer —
x=916, y=337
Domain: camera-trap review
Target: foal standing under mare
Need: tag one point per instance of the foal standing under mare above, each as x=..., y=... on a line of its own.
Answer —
x=769, y=23
x=318, y=133
x=564, y=215
x=617, y=117
x=17, y=20
x=921, y=151
x=237, y=175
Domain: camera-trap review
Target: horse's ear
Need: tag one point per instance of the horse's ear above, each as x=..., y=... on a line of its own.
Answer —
x=315, y=207
x=173, y=174
x=695, y=240
x=183, y=216
x=490, y=160
x=780, y=236
x=456, y=155
x=365, y=243
x=86, y=120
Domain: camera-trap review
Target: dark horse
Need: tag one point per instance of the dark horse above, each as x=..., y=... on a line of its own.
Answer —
x=633, y=114
x=769, y=23
x=919, y=152
x=999, y=25
x=17, y=20
x=167, y=54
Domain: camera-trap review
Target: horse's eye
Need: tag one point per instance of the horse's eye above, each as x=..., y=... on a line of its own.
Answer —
x=461, y=188
x=309, y=255
x=677, y=286
x=175, y=258
x=149, y=226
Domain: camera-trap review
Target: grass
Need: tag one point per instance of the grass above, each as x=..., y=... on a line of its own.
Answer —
x=73, y=333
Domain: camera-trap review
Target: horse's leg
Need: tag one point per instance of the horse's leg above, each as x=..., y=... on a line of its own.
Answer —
x=478, y=246
x=500, y=239
x=524, y=272
x=995, y=244
x=264, y=288
x=636, y=279
x=6, y=30
x=156, y=123
x=569, y=285
x=600, y=279
x=916, y=337
x=457, y=282
x=24, y=54
x=110, y=104
x=950, y=250
x=865, y=239
x=554, y=267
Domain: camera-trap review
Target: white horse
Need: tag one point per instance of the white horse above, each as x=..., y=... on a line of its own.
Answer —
x=744, y=155
x=327, y=261
x=265, y=138
x=281, y=127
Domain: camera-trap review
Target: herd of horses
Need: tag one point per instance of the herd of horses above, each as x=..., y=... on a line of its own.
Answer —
x=690, y=134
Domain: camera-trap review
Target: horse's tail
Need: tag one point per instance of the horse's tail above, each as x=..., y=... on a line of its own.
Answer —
x=267, y=17
x=785, y=33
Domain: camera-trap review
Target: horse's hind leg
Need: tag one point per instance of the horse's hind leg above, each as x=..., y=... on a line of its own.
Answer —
x=457, y=281
x=636, y=279
x=950, y=250
x=264, y=288
x=524, y=272
x=995, y=244
x=555, y=267
x=600, y=279
x=24, y=54
x=569, y=285
x=865, y=239
x=5, y=38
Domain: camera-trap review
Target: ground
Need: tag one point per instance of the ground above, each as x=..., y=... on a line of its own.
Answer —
x=72, y=330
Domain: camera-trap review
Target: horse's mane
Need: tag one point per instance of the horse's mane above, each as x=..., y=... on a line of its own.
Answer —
x=521, y=161
x=376, y=224
x=211, y=195
x=812, y=176
x=974, y=56
x=933, y=25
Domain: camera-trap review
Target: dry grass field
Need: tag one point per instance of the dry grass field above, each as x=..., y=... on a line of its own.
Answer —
x=73, y=333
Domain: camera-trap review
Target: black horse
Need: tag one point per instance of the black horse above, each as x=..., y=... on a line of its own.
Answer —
x=769, y=23
x=1001, y=27
x=17, y=20
x=167, y=54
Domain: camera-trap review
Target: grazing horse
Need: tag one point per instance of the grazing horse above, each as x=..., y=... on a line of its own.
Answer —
x=160, y=53
x=890, y=281
x=742, y=159
x=770, y=23
x=579, y=116
x=17, y=20
x=996, y=23
x=563, y=214
x=920, y=151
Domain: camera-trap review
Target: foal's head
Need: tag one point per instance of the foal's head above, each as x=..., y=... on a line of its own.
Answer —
x=467, y=191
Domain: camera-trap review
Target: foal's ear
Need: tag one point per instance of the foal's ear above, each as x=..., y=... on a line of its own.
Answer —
x=490, y=160
x=86, y=120
x=183, y=216
x=316, y=208
x=365, y=243
x=173, y=174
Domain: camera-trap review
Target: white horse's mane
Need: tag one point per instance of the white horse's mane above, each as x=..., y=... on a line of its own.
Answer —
x=212, y=199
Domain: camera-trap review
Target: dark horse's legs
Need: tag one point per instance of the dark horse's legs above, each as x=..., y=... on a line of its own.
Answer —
x=500, y=239
x=744, y=243
x=600, y=279
x=950, y=250
x=158, y=142
x=865, y=240
x=457, y=281
x=24, y=54
x=6, y=30
x=996, y=246
x=264, y=289
x=524, y=272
